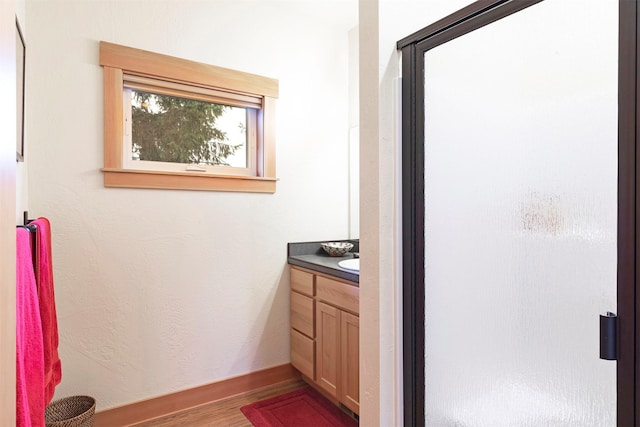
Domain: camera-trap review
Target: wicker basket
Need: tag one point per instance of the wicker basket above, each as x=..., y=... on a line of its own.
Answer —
x=74, y=411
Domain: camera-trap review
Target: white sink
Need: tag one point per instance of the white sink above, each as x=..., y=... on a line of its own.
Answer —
x=352, y=264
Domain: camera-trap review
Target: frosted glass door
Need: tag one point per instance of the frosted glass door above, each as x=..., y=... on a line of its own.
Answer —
x=520, y=222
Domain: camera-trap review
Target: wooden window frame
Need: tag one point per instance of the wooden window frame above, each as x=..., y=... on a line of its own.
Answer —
x=118, y=61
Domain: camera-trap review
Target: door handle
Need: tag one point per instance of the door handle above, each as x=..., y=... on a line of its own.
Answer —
x=608, y=336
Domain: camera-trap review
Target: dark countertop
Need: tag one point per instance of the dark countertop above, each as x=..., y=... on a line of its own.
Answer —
x=311, y=255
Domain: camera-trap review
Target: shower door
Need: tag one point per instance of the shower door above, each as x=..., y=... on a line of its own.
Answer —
x=520, y=187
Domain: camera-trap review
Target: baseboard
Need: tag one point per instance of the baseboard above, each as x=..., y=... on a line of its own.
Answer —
x=170, y=403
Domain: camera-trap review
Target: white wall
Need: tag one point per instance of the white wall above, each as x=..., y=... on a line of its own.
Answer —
x=22, y=188
x=157, y=290
x=7, y=209
x=354, y=135
x=371, y=403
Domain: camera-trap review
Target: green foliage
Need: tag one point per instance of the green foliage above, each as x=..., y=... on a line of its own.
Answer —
x=178, y=130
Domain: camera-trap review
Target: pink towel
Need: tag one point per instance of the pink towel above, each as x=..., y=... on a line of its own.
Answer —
x=29, y=355
x=44, y=278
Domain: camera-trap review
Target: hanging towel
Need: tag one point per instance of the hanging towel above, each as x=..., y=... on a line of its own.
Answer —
x=44, y=279
x=29, y=355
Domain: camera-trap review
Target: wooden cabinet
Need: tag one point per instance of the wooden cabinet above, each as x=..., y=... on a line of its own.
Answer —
x=328, y=348
x=325, y=345
x=303, y=322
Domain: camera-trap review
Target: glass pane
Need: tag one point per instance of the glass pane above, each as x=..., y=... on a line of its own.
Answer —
x=520, y=176
x=180, y=130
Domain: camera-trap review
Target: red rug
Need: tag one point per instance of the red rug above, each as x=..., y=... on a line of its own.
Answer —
x=300, y=408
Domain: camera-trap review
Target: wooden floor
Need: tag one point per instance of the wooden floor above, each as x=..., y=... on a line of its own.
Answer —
x=224, y=412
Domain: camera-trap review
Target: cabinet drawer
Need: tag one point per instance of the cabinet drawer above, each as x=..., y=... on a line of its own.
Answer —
x=302, y=314
x=337, y=293
x=301, y=281
x=302, y=354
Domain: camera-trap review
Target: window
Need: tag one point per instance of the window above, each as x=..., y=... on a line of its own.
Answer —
x=178, y=124
x=178, y=133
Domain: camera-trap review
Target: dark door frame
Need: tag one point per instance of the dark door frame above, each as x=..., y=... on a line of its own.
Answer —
x=413, y=47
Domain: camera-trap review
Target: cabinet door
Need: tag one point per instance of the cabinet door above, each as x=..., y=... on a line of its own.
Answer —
x=350, y=361
x=327, y=348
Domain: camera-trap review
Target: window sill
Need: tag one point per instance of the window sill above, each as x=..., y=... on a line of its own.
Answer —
x=130, y=178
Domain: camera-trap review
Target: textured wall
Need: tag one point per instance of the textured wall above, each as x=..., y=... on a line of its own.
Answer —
x=22, y=195
x=157, y=290
x=7, y=207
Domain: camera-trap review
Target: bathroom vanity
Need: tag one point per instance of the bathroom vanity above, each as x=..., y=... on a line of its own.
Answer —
x=325, y=324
